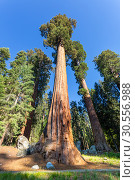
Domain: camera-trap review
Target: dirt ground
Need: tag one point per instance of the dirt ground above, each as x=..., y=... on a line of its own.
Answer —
x=9, y=162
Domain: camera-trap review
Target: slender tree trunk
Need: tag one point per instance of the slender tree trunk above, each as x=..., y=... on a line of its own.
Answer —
x=99, y=138
x=118, y=84
x=117, y=79
x=58, y=141
x=28, y=123
x=23, y=128
x=3, y=136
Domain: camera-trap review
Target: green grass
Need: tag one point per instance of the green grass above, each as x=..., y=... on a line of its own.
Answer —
x=112, y=158
x=61, y=176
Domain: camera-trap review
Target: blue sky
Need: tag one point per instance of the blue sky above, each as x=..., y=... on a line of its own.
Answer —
x=98, y=29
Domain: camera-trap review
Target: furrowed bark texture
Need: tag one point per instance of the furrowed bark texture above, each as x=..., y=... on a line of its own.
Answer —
x=99, y=138
x=58, y=139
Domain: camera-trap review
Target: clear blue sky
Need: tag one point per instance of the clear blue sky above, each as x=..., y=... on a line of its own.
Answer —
x=98, y=29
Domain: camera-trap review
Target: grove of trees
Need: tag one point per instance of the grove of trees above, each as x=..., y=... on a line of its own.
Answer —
x=28, y=108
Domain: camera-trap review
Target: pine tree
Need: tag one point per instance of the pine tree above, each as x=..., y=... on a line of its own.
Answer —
x=41, y=75
x=58, y=139
x=19, y=89
x=4, y=55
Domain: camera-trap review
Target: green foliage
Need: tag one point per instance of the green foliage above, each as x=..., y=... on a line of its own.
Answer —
x=80, y=71
x=106, y=96
x=77, y=54
x=41, y=71
x=58, y=30
x=82, y=91
x=18, y=95
x=40, y=118
x=80, y=125
x=107, y=106
x=21, y=87
x=108, y=64
x=4, y=55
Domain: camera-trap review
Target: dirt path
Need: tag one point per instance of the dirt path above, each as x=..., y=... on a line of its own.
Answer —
x=9, y=162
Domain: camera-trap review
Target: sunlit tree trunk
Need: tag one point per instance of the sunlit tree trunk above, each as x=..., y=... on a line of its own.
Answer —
x=58, y=141
x=99, y=138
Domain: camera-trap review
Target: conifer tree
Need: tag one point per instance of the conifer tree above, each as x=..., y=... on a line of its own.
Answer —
x=108, y=64
x=40, y=118
x=41, y=74
x=19, y=89
x=4, y=55
x=81, y=126
x=107, y=107
x=57, y=143
x=78, y=65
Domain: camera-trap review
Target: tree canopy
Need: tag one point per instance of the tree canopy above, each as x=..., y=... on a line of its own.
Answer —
x=108, y=64
x=58, y=30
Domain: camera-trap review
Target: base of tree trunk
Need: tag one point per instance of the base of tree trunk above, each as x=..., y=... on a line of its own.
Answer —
x=65, y=153
x=103, y=147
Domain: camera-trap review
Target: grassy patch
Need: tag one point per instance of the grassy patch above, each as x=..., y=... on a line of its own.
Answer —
x=108, y=158
x=61, y=176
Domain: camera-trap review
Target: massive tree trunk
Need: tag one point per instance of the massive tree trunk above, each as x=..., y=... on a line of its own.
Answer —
x=99, y=138
x=58, y=141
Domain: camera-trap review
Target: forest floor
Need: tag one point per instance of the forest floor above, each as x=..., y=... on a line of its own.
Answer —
x=10, y=162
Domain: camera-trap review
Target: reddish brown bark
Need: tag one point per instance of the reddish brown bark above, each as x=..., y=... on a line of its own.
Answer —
x=3, y=136
x=23, y=128
x=58, y=141
x=99, y=138
x=28, y=122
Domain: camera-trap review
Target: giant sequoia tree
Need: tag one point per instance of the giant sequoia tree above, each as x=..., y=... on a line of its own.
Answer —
x=78, y=56
x=58, y=139
x=108, y=64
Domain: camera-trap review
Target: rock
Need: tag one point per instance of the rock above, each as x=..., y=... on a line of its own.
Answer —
x=22, y=153
x=22, y=143
x=84, y=152
x=35, y=167
x=78, y=145
x=105, y=158
x=31, y=149
x=49, y=165
x=22, y=146
x=92, y=150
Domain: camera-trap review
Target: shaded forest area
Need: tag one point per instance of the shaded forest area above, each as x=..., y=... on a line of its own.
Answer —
x=25, y=102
